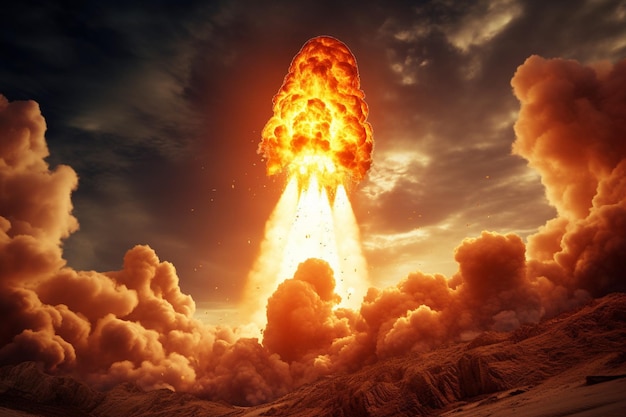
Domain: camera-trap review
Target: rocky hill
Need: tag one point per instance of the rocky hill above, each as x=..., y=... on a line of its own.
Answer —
x=540, y=369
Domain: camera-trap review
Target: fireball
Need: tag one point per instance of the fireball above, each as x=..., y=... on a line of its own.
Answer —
x=319, y=125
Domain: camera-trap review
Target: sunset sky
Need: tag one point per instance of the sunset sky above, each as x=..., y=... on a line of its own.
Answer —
x=158, y=107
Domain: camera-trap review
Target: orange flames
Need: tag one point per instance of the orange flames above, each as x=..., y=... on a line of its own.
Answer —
x=319, y=125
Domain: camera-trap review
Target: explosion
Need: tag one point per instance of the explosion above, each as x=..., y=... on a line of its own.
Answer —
x=319, y=126
x=320, y=139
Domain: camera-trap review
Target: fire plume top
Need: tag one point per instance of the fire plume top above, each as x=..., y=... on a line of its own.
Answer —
x=319, y=126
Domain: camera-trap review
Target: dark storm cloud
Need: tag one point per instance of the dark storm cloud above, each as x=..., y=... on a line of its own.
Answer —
x=111, y=76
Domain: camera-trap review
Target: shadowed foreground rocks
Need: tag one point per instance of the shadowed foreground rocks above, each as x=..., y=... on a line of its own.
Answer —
x=590, y=341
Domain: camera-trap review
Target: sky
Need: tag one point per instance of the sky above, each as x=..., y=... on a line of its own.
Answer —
x=158, y=108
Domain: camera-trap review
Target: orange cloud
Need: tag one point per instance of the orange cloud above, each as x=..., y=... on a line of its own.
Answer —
x=300, y=319
x=571, y=128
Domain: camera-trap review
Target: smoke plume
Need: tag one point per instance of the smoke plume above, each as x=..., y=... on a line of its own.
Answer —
x=571, y=129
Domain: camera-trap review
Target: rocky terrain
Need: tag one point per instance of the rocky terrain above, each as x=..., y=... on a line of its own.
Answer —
x=572, y=364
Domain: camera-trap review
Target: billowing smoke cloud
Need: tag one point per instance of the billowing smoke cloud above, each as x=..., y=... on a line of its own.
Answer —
x=35, y=215
x=129, y=325
x=571, y=128
x=136, y=325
